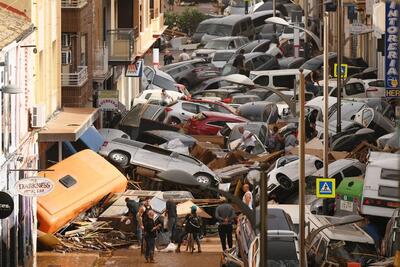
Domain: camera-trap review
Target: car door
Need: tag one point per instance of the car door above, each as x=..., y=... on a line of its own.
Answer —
x=188, y=111
x=152, y=157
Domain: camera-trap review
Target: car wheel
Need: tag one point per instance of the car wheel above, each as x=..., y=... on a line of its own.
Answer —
x=119, y=158
x=175, y=121
x=319, y=164
x=203, y=178
x=284, y=181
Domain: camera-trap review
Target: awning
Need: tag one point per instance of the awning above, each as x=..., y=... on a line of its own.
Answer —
x=68, y=125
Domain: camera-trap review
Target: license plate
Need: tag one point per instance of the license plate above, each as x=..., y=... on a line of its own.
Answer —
x=346, y=205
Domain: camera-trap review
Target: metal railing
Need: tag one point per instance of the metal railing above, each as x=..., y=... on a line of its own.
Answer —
x=73, y=3
x=75, y=79
x=100, y=61
x=120, y=44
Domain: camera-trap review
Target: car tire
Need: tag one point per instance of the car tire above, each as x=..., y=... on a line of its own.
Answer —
x=319, y=164
x=119, y=158
x=203, y=178
x=284, y=181
x=175, y=121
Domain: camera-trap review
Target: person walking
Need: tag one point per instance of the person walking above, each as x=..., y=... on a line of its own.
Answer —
x=184, y=56
x=192, y=225
x=151, y=226
x=248, y=196
x=225, y=214
x=171, y=213
x=168, y=58
x=133, y=209
x=238, y=62
x=247, y=140
x=141, y=217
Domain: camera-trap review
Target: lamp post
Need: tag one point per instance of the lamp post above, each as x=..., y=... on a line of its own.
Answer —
x=281, y=21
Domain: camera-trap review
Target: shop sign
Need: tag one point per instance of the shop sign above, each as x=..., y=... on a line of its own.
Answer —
x=392, y=49
x=34, y=186
x=135, y=69
x=108, y=100
x=6, y=205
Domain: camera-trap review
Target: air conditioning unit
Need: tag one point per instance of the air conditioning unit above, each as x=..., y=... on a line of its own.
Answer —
x=38, y=119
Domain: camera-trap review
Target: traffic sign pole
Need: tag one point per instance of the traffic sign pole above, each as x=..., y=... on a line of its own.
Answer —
x=302, y=184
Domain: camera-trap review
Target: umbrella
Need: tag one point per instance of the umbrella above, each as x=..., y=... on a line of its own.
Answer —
x=316, y=62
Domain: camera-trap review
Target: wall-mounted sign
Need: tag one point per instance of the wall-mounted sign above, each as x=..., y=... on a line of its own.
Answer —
x=6, y=205
x=34, y=186
x=135, y=69
x=108, y=100
x=359, y=28
x=392, y=49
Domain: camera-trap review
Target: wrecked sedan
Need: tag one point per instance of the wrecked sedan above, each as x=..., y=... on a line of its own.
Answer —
x=123, y=152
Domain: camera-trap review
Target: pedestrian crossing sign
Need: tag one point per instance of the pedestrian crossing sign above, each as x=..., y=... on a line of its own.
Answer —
x=343, y=70
x=326, y=188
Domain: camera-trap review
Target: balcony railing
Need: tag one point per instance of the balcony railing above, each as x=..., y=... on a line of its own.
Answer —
x=120, y=45
x=100, y=62
x=73, y=3
x=75, y=79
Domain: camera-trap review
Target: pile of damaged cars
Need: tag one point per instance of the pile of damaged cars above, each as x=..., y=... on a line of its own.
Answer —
x=199, y=130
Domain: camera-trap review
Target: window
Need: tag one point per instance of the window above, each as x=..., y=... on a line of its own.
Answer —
x=284, y=81
x=218, y=108
x=258, y=62
x=388, y=191
x=338, y=177
x=243, y=26
x=334, y=92
x=65, y=40
x=66, y=57
x=217, y=123
x=231, y=45
x=320, y=253
x=377, y=83
x=262, y=48
x=147, y=96
x=262, y=80
x=390, y=174
x=202, y=108
x=354, y=89
x=192, y=108
x=352, y=172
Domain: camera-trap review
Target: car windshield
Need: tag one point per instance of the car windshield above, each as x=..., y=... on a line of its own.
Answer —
x=164, y=83
x=218, y=30
x=217, y=44
x=228, y=69
x=223, y=56
x=346, y=250
x=282, y=252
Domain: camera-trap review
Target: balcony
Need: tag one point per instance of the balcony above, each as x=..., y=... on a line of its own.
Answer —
x=100, y=68
x=75, y=79
x=120, y=44
x=73, y=3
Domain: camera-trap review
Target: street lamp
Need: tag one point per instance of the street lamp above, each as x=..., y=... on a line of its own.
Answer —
x=281, y=21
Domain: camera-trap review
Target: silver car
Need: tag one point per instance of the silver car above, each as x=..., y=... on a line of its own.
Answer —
x=123, y=153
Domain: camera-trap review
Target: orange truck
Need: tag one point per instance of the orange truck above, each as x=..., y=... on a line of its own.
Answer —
x=80, y=182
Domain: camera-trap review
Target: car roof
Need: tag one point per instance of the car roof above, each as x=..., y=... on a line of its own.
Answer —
x=254, y=54
x=348, y=232
x=336, y=166
x=280, y=71
x=231, y=19
x=182, y=63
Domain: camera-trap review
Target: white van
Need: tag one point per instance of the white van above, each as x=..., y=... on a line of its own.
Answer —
x=277, y=78
x=237, y=7
x=381, y=192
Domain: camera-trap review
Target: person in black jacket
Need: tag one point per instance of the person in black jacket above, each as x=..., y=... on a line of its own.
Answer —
x=192, y=225
x=151, y=226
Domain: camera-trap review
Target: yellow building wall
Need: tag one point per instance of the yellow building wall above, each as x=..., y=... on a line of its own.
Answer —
x=46, y=16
